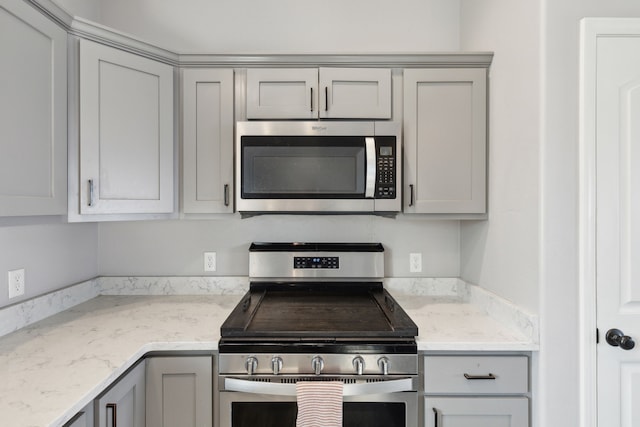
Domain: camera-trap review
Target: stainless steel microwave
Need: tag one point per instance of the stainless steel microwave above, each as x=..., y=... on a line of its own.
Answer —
x=324, y=167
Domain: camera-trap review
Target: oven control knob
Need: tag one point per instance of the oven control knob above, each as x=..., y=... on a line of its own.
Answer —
x=358, y=364
x=276, y=364
x=383, y=364
x=251, y=365
x=317, y=364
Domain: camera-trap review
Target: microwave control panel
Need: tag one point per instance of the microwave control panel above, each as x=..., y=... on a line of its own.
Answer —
x=386, y=168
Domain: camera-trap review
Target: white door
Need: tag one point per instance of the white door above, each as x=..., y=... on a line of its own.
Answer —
x=616, y=131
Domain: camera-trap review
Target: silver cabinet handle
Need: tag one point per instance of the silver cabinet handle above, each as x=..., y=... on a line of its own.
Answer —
x=275, y=389
x=489, y=376
x=226, y=194
x=90, y=192
x=114, y=409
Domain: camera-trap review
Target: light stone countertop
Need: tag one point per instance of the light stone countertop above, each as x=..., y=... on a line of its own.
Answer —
x=50, y=370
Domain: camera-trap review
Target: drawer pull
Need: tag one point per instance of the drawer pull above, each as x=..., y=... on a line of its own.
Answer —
x=480, y=377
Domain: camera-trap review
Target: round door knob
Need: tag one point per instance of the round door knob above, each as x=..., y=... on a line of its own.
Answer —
x=358, y=364
x=617, y=338
x=317, y=364
x=276, y=365
x=251, y=365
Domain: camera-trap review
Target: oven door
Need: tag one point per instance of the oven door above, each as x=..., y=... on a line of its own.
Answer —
x=274, y=405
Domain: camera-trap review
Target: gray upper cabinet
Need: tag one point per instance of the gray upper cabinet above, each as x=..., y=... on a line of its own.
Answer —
x=33, y=112
x=445, y=124
x=126, y=133
x=207, y=138
x=312, y=93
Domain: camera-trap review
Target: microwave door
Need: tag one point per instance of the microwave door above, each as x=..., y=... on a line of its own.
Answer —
x=285, y=170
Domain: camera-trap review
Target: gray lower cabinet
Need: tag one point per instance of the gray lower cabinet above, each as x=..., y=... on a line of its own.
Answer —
x=123, y=404
x=476, y=390
x=180, y=391
x=83, y=418
x=476, y=412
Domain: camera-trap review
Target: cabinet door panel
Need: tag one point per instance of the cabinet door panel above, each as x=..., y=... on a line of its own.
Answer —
x=33, y=112
x=125, y=401
x=357, y=93
x=477, y=412
x=445, y=140
x=207, y=141
x=82, y=419
x=180, y=391
x=126, y=132
x=282, y=93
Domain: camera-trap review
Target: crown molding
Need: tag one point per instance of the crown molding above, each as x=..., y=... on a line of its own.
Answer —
x=86, y=29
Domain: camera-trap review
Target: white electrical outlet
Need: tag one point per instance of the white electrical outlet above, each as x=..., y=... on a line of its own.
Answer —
x=16, y=283
x=415, y=263
x=209, y=261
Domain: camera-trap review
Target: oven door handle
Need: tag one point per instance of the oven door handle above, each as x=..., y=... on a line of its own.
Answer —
x=381, y=387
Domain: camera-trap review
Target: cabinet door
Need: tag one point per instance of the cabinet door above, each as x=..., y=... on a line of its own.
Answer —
x=83, y=418
x=207, y=140
x=290, y=93
x=123, y=405
x=126, y=132
x=180, y=391
x=476, y=412
x=33, y=112
x=356, y=93
x=445, y=140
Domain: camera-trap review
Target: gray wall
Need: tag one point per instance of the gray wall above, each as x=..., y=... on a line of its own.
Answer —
x=53, y=254
x=176, y=247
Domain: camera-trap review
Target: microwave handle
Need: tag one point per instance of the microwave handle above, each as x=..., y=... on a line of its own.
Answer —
x=274, y=389
x=370, y=183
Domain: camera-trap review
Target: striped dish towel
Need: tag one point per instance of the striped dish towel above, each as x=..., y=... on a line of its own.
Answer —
x=319, y=403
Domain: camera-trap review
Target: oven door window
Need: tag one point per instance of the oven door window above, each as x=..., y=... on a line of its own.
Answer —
x=302, y=167
x=283, y=414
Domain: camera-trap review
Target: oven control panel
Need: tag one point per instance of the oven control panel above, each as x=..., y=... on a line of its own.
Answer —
x=316, y=262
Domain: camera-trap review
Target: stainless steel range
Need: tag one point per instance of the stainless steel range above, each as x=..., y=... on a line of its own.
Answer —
x=318, y=312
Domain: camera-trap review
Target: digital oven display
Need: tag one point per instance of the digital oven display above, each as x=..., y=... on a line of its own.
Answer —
x=316, y=262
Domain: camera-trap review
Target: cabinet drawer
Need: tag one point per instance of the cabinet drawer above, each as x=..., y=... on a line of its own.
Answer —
x=476, y=374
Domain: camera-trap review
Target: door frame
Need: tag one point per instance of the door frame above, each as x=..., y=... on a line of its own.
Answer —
x=591, y=29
